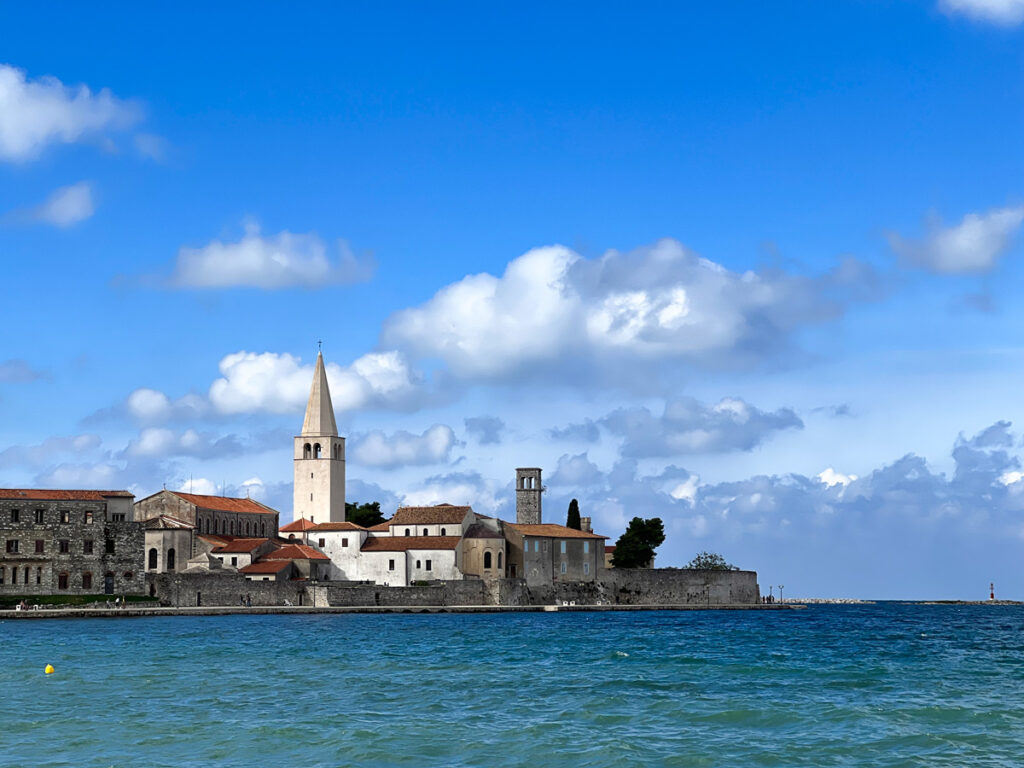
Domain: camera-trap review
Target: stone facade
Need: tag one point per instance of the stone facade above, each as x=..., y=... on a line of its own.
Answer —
x=69, y=542
x=528, y=492
x=215, y=515
x=218, y=588
x=548, y=553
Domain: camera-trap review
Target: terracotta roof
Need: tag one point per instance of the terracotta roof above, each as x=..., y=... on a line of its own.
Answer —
x=345, y=526
x=403, y=543
x=266, y=566
x=297, y=526
x=553, y=531
x=385, y=526
x=217, y=541
x=296, y=552
x=442, y=513
x=40, y=494
x=226, y=503
x=241, y=545
x=163, y=522
x=609, y=550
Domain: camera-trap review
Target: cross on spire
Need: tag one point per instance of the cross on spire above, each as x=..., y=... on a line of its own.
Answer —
x=319, y=345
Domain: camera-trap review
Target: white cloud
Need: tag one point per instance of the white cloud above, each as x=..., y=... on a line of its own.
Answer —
x=47, y=451
x=66, y=206
x=159, y=442
x=284, y=260
x=279, y=383
x=484, y=495
x=972, y=246
x=101, y=476
x=375, y=449
x=554, y=312
x=200, y=485
x=1007, y=12
x=830, y=477
x=576, y=471
x=486, y=429
x=35, y=113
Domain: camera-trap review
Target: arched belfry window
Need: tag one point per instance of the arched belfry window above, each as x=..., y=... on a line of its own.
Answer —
x=316, y=450
x=307, y=451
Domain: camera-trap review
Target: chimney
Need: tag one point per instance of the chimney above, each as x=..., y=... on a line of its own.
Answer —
x=585, y=525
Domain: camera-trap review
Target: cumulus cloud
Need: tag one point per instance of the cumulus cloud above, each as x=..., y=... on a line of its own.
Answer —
x=972, y=246
x=576, y=471
x=376, y=449
x=486, y=429
x=65, y=207
x=586, y=431
x=150, y=406
x=103, y=476
x=37, y=112
x=18, y=372
x=279, y=383
x=484, y=495
x=48, y=451
x=1005, y=12
x=161, y=442
x=687, y=426
x=284, y=260
x=556, y=313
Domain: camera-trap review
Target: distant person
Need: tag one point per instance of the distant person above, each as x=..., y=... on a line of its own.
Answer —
x=248, y=601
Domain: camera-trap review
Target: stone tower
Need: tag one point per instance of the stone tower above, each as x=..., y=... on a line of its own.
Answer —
x=319, y=493
x=528, y=491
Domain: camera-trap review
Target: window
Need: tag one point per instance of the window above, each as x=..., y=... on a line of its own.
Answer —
x=26, y=574
x=128, y=575
x=322, y=542
x=63, y=546
x=487, y=560
x=12, y=546
x=152, y=559
x=418, y=566
x=40, y=546
x=344, y=541
x=263, y=529
x=62, y=581
x=15, y=515
x=317, y=450
x=232, y=527
x=88, y=517
x=563, y=546
x=246, y=527
x=307, y=450
x=87, y=546
x=545, y=545
x=234, y=561
x=499, y=561
x=65, y=517
x=40, y=516
x=563, y=567
x=109, y=546
x=536, y=545
x=586, y=567
x=526, y=545
x=170, y=559
x=586, y=547
x=14, y=575
x=39, y=575
x=425, y=532
x=428, y=565
x=391, y=565
x=444, y=532
x=119, y=517
x=86, y=580
x=407, y=532
x=3, y=574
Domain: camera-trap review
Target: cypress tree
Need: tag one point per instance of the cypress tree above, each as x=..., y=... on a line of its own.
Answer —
x=573, y=519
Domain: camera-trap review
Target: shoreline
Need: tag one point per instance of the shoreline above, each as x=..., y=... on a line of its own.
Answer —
x=130, y=613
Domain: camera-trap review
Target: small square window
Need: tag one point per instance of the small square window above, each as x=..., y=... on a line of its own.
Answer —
x=88, y=518
x=344, y=542
x=322, y=542
x=40, y=516
x=12, y=546
x=64, y=546
x=65, y=515
x=563, y=546
x=40, y=546
x=87, y=546
x=15, y=515
x=109, y=546
x=234, y=561
x=391, y=565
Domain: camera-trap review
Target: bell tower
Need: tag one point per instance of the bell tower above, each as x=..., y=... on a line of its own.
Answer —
x=528, y=491
x=319, y=493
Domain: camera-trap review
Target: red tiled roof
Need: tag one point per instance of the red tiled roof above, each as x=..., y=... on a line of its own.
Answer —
x=41, y=494
x=217, y=541
x=296, y=552
x=385, y=526
x=442, y=513
x=345, y=526
x=297, y=526
x=226, y=503
x=241, y=545
x=403, y=543
x=609, y=550
x=553, y=531
x=266, y=566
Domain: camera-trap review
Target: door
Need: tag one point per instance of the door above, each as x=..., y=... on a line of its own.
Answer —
x=108, y=584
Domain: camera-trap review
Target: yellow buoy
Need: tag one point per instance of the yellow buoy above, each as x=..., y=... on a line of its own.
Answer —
x=49, y=669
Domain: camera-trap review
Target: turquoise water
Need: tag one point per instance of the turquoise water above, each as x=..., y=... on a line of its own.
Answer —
x=881, y=685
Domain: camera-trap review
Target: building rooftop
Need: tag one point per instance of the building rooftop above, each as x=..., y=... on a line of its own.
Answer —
x=553, y=531
x=441, y=514
x=298, y=526
x=295, y=552
x=341, y=526
x=43, y=494
x=240, y=545
x=478, y=531
x=225, y=503
x=385, y=526
x=266, y=566
x=404, y=543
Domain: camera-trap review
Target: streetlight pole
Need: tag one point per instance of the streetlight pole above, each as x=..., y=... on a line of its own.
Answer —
x=780, y=593
x=771, y=597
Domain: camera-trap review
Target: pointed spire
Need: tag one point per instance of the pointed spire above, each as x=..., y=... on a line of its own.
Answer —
x=319, y=419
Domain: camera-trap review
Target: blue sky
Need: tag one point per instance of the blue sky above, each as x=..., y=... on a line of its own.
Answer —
x=750, y=268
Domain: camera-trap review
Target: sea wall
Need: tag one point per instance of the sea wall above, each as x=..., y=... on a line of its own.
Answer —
x=461, y=592
x=204, y=588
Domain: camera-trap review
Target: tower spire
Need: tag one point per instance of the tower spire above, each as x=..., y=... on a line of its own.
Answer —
x=319, y=419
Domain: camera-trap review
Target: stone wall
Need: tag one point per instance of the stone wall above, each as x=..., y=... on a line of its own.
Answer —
x=213, y=589
x=468, y=592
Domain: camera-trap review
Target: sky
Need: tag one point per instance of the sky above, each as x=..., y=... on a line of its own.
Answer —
x=749, y=268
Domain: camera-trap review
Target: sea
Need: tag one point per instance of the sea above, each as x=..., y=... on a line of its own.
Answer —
x=889, y=684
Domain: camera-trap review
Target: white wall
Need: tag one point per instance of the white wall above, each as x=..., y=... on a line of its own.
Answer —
x=442, y=564
x=374, y=567
x=345, y=561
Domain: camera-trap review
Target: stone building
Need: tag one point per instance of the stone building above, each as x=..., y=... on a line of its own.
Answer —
x=69, y=542
x=319, y=467
x=215, y=515
x=483, y=550
x=549, y=553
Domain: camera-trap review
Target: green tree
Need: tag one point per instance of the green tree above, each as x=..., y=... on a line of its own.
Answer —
x=635, y=548
x=710, y=561
x=364, y=514
x=573, y=520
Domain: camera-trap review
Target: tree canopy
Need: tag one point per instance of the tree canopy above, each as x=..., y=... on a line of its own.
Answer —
x=635, y=548
x=364, y=514
x=573, y=519
x=710, y=561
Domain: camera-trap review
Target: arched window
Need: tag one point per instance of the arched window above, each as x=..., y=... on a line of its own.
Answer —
x=425, y=532
x=152, y=559
x=444, y=532
x=316, y=450
x=337, y=450
x=306, y=451
x=232, y=527
x=86, y=580
x=246, y=527
x=417, y=564
x=263, y=529
x=487, y=560
x=408, y=532
x=170, y=559
x=499, y=561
